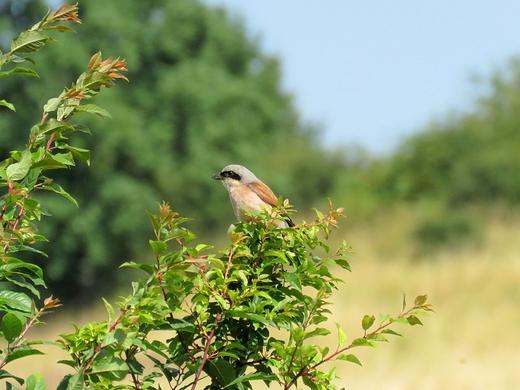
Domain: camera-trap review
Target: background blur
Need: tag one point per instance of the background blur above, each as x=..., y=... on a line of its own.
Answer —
x=435, y=212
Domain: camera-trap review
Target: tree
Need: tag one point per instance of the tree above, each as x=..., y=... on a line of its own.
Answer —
x=202, y=96
x=472, y=157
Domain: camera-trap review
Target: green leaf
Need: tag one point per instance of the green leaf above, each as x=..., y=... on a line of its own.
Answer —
x=60, y=28
x=52, y=105
x=293, y=279
x=57, y=189
x=362, y=342
x=22, y=352
x=53, y=126
x=6, y=375
x=64, y=158
x=110, y=310
x=19, y=170
x=29, y=42
x=367, y=322
x=404, y=301
x=316, y=332
x=254, y=376
x=420, y=300
x=249, y=316
x=149, y=269
x=12, y=327
x=349, y=358
x=21, y=71
x=79, y=153
x=49, y=162
x=15, y=300
x=111, y=368
x=158, y=246
x=93, y=109
x=342, y=337
x=413, y=320
x=73, y=382
x=7, y=104
x=81, y=128
x=35, y=382
x=343, y=264
x=390, y=331
x=117, y=336
x=223, y=371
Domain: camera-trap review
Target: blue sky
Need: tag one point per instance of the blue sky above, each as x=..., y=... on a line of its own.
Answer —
x=372, y=72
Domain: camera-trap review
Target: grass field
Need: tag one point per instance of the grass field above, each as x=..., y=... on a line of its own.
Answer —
x=471, y=342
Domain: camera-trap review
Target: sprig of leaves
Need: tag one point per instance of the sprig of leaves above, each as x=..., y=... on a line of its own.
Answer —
x=32, y=40
x=21, y=174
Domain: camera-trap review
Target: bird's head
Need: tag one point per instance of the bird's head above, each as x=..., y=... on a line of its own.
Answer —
x=233, y=175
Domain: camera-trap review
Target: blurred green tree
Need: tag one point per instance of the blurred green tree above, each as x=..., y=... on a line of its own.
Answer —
x=472, y=157
x=201, y=96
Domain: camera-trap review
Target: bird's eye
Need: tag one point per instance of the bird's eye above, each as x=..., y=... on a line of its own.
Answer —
x=231, y=175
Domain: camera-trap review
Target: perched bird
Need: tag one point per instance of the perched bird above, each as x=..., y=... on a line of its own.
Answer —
x=247, y=192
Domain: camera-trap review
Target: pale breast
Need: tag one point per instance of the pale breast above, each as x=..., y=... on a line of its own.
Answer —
x=242, y=197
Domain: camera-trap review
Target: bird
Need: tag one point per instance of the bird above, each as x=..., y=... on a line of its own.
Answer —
x=247, y=192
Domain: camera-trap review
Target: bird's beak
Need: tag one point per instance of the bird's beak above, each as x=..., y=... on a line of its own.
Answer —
x=217, y=176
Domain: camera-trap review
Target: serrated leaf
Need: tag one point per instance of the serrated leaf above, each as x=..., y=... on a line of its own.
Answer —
x=12, y=327
x=28, y=42
x=349, y=358
x=367, y=322
x=7, y=104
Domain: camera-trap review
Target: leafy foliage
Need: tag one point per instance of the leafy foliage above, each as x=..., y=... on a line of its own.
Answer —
x=25, y=173
x=222, y=311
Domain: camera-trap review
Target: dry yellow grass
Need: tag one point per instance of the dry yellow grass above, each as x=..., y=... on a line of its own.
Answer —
x=471, y=342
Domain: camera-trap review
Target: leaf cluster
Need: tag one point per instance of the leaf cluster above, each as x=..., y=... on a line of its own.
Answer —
x=249, y=312
x=25, y=172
